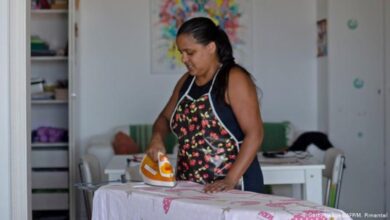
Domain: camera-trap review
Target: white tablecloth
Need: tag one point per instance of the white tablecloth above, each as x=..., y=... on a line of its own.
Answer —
x=187, y=201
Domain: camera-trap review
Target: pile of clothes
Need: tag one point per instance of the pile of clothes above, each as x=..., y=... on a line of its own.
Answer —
x=49, y=135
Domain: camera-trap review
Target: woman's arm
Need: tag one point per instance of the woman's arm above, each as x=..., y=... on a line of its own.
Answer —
x=161, y=124
x=242, y=96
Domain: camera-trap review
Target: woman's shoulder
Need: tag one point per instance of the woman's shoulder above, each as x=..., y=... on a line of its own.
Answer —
x=238, y=75
x=240, y=85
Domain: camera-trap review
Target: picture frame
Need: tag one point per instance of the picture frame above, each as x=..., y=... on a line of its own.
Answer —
x=322, y=38
x=234, y=16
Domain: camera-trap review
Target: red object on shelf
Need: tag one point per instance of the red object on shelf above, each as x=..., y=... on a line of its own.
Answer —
x=44, y=4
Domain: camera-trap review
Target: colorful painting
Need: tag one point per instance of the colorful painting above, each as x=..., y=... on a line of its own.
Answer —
x=234, y=16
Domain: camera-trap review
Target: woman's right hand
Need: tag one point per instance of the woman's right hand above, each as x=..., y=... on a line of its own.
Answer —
x=154, y=148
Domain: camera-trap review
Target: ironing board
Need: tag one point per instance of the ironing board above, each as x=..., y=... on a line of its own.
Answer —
x=188, y=201
x=306, y=172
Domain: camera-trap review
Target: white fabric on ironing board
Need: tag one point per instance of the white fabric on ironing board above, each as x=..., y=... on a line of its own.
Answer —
x=188, y=201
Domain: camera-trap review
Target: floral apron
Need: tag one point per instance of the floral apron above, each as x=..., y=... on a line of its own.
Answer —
x=207, y=149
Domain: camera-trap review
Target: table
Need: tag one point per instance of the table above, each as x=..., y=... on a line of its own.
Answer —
x=187, y=200
x=307, y=172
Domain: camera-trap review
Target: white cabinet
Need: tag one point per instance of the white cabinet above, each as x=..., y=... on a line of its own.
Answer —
x=49, y=180
x=51, y=158
x=50, y=202
x=51, y=30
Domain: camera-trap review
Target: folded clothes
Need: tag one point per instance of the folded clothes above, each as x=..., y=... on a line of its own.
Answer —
x=43, y=53
x=49, y=135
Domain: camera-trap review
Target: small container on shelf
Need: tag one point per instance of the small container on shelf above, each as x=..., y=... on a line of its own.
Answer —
x=61, y=94
x=59, y=4
x=49, y=87
x=37, y=85
x=61, y=91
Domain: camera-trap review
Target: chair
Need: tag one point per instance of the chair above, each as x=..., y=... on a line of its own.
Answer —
x=89, y=168
x=334, y=161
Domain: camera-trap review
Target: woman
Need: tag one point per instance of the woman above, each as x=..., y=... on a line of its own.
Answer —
x=214, y=112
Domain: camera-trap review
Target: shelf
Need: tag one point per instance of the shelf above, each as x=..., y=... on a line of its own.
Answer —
x=60, y=144
x=48, y=102
x=52, y=162
x=48, y=58
x=49, y=11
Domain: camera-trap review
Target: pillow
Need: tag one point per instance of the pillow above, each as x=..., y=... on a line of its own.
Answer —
x=124, y=144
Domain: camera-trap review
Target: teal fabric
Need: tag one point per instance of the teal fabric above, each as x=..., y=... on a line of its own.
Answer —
x=275, y=136
x=141, y=133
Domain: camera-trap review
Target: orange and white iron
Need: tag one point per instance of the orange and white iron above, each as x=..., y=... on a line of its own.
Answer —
x=159, y=173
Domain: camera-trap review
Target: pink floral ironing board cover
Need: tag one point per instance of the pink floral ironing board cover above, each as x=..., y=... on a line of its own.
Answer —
x=188, y=201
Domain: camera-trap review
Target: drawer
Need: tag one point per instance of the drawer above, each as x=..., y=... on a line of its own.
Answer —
x=283, y=177
x=50, y=201
x=49, y=158
x=49, y=180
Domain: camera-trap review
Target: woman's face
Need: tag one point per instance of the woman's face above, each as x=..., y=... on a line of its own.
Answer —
x=197, y=57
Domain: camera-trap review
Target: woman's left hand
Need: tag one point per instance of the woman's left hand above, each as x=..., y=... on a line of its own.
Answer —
x=220, y=186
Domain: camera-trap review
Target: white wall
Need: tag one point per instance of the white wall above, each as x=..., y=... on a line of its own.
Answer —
x=5, y=188
x=117, y=87
x=356, y=116
x=322, y=76
x=284, y=60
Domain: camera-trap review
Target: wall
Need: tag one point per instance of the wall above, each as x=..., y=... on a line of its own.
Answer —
x=322, y=76
x=117, y=87
x=284, y=40
x=5, y=196
x=356, y=102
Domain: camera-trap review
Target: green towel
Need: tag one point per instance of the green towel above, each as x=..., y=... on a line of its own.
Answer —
x=275, y=136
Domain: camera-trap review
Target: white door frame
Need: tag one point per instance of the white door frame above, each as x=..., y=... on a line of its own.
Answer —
x=18, y=104
x=387, y=103
x=5, y=186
